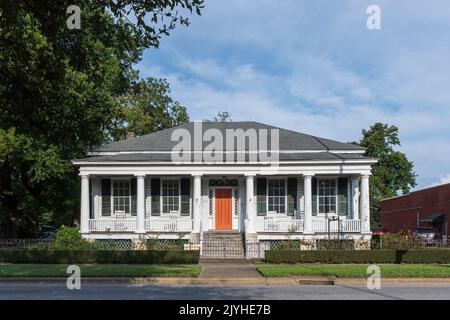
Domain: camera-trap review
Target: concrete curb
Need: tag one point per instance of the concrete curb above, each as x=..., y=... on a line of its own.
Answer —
x=235, y=281
x=363, y=281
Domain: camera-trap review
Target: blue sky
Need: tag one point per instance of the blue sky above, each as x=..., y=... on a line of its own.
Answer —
x=314, y=67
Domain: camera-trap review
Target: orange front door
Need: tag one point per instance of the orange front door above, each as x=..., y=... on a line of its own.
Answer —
x=223, y=209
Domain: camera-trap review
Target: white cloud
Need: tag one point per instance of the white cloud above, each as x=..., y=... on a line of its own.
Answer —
x=314, y=67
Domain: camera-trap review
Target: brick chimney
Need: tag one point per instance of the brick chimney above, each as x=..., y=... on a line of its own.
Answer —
x=130, y=135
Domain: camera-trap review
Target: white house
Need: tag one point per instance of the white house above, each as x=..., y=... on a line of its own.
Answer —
x=301, y=187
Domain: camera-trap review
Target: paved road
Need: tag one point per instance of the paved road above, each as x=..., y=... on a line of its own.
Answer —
x=123, y=291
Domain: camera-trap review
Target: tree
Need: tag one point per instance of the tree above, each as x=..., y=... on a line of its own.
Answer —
x=223, y=116
x=393, y=172
x=147, y=108
x=60, y=91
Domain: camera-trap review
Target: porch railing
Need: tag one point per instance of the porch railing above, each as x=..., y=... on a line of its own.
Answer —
x=343, y=225
x=318, y=225
x=279, y=225
x=169, y=224
x=104, y=225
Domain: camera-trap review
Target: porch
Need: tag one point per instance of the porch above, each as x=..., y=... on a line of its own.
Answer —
x=258, y=206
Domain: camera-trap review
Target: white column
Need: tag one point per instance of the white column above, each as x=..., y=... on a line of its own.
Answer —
x=308, y=203
x=84, y=216
x=365, y=204
x=250, y=209
x=355, y=198
x=197, y=195
x=140, y=204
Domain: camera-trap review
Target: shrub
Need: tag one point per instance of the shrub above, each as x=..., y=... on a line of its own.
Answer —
x=398, y=241
x=99, y=256
x=333, y=244
x=69, y=238
x=359, y=256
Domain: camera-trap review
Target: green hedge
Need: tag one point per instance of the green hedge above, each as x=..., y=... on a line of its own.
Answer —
x=358, y=256
x=98, y=256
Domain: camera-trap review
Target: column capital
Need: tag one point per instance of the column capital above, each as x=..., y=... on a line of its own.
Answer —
x=139, y=175
x=365, y=176
x=250, y=175
x=308, y=174
x=84, y=176
x=197, y=175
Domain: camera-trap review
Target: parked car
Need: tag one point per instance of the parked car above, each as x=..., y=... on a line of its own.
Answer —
x=426, y=234
x=47, y=232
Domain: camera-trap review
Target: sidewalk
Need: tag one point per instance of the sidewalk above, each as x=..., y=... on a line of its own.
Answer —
x=229, y=270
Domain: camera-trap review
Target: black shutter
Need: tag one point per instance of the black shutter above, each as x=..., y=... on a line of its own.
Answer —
x=156, y=196
x=106, y=197
x=133, y=193
x=342, y=196
x=292, y=196
x=185, y=186
x=261, y=196
x=91, y=203
x=314, y=196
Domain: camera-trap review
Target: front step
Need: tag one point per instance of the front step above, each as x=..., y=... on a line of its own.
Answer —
x=222, y=245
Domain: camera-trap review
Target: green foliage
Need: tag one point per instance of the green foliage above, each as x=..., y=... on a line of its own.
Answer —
x=356, y=270
x=359, y=256
x=399, y=241
x=102, y=270
x=224, y=116
x=393, y=172
x=99, y=256
x=69, y=238
x=61, y=93
x=335, y=244
x=147, y=108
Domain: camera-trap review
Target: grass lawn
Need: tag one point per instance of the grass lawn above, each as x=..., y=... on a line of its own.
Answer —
x=356, y=270
x=101, y=270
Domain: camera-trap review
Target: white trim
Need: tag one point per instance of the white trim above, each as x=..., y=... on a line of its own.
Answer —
x=171, y=170
x=274, y=213
x=113, y=213
x=179, y=195
x=342, y=161
x=328, y=214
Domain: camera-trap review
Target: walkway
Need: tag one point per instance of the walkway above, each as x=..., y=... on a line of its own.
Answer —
x=229, y=270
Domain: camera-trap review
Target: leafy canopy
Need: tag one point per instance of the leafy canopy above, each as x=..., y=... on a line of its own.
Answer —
x=393, y=172
x=61, y=91
x=147, y=108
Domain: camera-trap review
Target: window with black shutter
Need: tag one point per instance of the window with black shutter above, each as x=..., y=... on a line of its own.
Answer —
x=106, y=197
x=156, y=196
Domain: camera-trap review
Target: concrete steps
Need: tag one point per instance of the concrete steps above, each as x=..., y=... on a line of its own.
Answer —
x=226, y=245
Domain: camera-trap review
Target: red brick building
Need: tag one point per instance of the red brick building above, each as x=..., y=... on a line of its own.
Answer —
x=424, y=208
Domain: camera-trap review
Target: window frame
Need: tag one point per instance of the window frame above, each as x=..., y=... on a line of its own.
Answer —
x=162, y=197
x=284, y=179
x=113, y=180
x=335, y=179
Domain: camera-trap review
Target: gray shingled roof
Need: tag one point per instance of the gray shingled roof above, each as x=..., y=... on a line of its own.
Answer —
x=165, y=157
x=289, y=140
